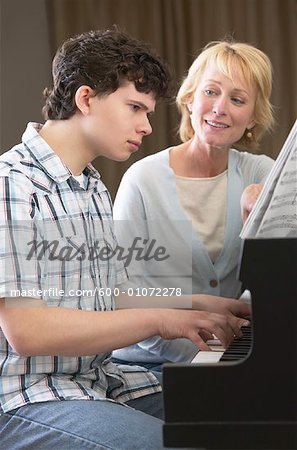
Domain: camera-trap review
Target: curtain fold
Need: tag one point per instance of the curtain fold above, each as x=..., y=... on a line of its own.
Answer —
x=178, y=29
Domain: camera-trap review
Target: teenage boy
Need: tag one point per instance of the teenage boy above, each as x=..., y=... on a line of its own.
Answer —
x=57, y=317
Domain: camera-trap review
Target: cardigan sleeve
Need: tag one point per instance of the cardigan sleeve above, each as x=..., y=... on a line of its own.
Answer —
x=255, y=168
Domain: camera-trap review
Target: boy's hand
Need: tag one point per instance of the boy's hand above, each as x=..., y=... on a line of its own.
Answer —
x=199, y=326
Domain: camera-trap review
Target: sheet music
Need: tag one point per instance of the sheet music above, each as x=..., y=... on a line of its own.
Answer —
x=275, y=212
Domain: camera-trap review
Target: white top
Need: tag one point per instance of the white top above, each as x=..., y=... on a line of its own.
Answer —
x=204, y=201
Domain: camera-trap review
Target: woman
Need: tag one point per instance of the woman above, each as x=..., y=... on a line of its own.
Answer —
x=224, y=102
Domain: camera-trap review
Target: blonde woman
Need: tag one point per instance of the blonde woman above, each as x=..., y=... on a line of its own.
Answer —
x=225, y=107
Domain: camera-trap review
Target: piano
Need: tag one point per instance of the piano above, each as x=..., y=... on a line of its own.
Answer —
x=248, y=398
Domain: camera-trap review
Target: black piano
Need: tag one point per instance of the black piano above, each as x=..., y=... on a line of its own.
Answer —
x=248, y=401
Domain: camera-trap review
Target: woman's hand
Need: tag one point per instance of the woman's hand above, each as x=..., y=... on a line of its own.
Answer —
x=248, y=199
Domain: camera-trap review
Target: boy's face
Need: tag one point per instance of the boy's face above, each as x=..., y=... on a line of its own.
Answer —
x=116, y=124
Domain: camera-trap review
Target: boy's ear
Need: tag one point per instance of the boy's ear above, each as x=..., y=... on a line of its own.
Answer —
x=82, y=98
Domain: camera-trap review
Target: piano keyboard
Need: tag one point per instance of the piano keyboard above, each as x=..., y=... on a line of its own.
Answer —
x=238, y=350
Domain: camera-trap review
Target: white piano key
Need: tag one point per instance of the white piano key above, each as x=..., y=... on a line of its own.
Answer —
x=207, y=357
x=215, y=345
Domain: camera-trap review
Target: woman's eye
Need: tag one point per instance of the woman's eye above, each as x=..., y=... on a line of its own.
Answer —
x=209, y=92
x=237, y=101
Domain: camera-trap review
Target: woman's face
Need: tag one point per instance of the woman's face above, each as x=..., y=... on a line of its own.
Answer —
x=222, y=109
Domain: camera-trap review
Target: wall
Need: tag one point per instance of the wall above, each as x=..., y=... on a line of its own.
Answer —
x=25, y=66
x=28, y=36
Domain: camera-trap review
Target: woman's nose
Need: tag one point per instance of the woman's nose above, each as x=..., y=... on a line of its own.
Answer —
x=219, y=107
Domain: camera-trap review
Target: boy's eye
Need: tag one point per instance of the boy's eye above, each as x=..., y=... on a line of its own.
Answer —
x=135, y=107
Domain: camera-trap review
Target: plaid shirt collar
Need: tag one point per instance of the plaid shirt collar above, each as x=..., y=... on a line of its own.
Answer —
x=52, y=166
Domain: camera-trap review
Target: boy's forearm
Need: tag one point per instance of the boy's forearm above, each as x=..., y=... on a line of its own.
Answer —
x=70, y=332
x=147, y=298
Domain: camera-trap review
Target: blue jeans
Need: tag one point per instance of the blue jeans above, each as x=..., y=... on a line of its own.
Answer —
x=85, y=424
x=153, y=366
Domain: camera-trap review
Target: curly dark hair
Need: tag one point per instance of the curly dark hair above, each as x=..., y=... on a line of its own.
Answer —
x=103, y=60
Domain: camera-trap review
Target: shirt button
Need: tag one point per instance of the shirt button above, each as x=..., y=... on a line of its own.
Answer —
x=213, y=283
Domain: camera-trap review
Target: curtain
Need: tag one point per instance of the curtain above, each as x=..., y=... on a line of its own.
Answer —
x=178, y=29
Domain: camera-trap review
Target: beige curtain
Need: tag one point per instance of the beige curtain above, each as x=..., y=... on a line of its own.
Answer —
x=178, y=29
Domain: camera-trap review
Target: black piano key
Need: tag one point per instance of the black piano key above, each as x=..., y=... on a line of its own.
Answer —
x=240, y=347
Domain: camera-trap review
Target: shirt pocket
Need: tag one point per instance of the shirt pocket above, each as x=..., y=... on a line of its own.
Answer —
x=63, y=265
x=103, y=256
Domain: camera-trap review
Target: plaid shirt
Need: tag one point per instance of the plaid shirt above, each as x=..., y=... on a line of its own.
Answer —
x=41, y=202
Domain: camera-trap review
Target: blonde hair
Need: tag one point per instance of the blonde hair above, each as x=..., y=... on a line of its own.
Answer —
x=231, y=57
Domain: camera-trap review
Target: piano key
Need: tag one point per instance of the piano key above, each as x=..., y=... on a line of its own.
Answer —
x=238, y=350
x=240, y=347
x=207, y=357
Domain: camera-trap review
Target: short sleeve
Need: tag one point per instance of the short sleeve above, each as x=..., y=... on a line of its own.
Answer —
x=20, y=269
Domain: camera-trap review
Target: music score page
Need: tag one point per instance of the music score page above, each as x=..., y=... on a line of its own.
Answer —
x=275, y=212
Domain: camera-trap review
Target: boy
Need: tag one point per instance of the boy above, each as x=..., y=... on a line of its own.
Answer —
x=57, y=318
